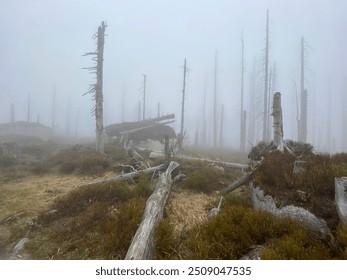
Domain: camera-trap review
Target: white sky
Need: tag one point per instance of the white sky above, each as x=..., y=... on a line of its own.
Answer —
x=42, y=43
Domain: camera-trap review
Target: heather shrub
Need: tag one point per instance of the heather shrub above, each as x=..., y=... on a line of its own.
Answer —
x=231, y=233
x=205, y=179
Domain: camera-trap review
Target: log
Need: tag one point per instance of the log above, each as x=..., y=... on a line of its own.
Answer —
x=141, y=247
x=238, y=183
x=127, y=176
x=239, y=166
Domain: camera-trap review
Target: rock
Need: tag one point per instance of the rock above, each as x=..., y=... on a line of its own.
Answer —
x=267, y=203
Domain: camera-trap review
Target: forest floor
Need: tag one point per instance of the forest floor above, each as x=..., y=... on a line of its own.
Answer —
x=46, y=179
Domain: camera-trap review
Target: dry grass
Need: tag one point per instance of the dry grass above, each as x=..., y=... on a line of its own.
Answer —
x=186, y=209
x=23, y=199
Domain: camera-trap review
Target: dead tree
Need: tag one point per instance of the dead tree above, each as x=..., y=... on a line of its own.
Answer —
x=252, y=107
x=221, y=131
x=238, y=166
x=215, y=104
x=142, y=246
x=180, y=138
x=203, y=137
x=303, y=99
x=144, y=97
x=29, y=103
x=126, y=176
x=277, y=121
x=266, y=82
x=96, y=89
x=242, y=130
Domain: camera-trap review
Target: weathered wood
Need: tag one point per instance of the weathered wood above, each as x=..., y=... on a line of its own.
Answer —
x=97, y=87
x=341, y=198
x=127, y=176
x=239, y=166
x=238, y=183
x=141, y=247
x=277, y=122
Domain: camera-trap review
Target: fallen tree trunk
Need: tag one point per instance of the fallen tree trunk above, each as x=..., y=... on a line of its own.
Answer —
x=141, y=247
x=238, y=183
x=127, y=176
x=239, y=166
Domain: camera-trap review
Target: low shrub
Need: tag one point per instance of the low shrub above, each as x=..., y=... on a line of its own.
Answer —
x=39, y=168
x=93, y=222
x=86, y=162
x=231, y=233
x=341, y=235
x=6, y=162
x=206, y=179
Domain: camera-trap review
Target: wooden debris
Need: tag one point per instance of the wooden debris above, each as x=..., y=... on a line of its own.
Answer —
x=127, y=176
x=141, y=247
x=238, y=183
x=239, y=166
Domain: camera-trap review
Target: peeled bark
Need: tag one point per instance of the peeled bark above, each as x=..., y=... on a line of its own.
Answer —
x=141, y=247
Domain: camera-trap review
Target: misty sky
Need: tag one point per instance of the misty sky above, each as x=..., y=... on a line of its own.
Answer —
x=42, y=43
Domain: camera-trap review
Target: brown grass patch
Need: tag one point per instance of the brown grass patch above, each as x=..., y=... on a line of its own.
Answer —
x=186, y=209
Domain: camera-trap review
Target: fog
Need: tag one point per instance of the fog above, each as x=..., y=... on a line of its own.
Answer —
x=42, y=43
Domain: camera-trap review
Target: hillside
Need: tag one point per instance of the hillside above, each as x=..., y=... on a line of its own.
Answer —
x=40, y=200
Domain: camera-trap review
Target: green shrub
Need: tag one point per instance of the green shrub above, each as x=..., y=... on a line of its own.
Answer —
x=39, y=168
x=231, y=233
x=143, y=185
x=86, y=162
x=6, y=162
x=341, y=235
x=299, y=245
x=206, y=179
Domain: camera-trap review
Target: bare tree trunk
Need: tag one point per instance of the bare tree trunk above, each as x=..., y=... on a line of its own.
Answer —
x=242, y=131
x=203, y=138
x=180, y=138
x=215, y=104
x=99, y=116
x=144, y=97
x=266, y=81
x=221, y=132
x=303, y=94
x=277, y=121
x=97, y=87
x=251, y=121
x=244, y=126
x=141, y=247
x=29, y=102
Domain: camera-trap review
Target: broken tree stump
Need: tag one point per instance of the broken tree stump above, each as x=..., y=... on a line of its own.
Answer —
x=341, y=198
x=141, y=247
